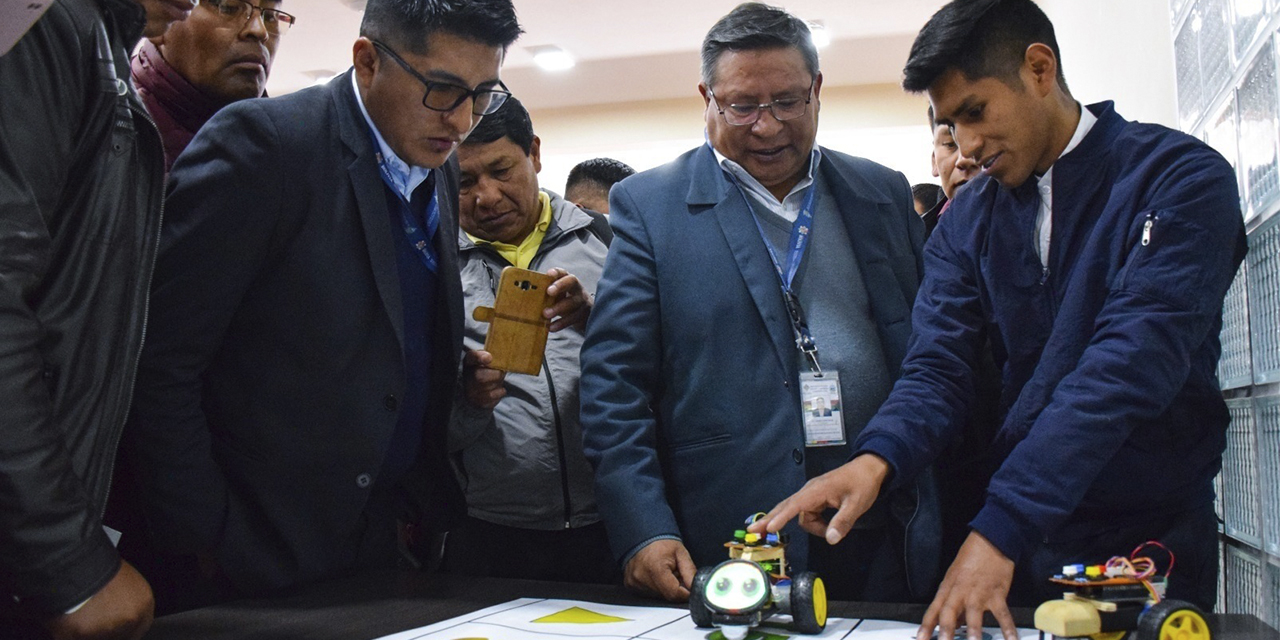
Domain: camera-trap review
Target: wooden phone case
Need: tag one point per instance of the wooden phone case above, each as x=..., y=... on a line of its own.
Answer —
x=517, y=331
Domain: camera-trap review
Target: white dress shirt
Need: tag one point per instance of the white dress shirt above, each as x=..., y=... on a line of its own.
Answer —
x=405, y=177
x=789, y=206
x=1044, y=220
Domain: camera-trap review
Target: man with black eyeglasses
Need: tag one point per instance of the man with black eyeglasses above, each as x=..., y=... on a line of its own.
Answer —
x=751, y=317
x=293, y=397
x=220, y=54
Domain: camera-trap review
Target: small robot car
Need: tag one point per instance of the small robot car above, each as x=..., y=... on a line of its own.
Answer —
x=1120, y=598
x=753, y=585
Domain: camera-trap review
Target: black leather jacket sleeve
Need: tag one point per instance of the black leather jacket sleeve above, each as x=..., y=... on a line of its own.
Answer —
x=53, y=552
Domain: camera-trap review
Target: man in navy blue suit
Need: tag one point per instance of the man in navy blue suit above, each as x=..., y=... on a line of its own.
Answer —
x=751, y=275
x=293, y=396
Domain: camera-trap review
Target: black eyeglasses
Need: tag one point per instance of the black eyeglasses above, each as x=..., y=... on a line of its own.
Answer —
x=445, y=96
x=783, y=109
x=240, y=13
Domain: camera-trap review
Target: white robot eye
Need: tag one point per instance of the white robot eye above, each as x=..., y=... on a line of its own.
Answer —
x=737, y=586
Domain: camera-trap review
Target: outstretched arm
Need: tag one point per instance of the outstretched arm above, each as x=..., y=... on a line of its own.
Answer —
x=923, y=411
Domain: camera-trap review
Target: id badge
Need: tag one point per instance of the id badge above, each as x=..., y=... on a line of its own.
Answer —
x=823, y=414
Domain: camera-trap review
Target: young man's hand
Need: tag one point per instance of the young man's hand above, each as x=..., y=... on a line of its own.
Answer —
x=851, y=489
x=977, y=582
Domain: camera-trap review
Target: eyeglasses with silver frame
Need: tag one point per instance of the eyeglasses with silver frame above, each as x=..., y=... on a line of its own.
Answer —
x=240, y=12
x=446, y=96
x=783, y=109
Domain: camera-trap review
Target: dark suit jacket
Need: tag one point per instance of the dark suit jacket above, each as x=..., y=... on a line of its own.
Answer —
x=273, y=370
x=690, y=407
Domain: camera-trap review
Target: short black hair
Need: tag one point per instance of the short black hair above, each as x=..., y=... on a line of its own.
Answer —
x=601, y=173
x=933, y=122
x=982, y=39
x=928, y=193
x=511, y=120
x=752, y=26
x=408, y=24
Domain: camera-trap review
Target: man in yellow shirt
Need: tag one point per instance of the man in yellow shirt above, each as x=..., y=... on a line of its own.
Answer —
x=515, y=440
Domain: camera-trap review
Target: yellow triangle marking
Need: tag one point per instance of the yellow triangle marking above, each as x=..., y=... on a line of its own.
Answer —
x=578, y=615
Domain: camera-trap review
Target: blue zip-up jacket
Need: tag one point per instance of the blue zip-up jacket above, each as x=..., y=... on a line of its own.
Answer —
x=1111, y=408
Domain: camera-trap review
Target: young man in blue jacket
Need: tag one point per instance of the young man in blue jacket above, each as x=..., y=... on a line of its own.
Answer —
x=1097, y=252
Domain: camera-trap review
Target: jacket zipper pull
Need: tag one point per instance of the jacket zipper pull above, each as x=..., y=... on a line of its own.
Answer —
x=1146, y=229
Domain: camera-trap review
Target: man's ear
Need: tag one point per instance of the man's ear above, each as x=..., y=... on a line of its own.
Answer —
x=708, y=111
x=535, y=154
x=365, y=60
x=933, y=162
x=1042, y=68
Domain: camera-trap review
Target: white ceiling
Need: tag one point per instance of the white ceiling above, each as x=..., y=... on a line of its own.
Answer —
x=632, y=50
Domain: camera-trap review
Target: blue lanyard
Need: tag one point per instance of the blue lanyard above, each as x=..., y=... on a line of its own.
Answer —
x=419, y=238
x=801, y=230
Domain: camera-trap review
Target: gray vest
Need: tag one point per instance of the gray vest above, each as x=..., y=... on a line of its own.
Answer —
x=838, y=310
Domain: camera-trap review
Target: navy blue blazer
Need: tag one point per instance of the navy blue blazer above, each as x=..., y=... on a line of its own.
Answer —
x=1112, y=413
x=690, y=407
x=271, y=379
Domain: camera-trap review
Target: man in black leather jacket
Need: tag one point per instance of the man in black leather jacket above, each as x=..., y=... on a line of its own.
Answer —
x=81, y=171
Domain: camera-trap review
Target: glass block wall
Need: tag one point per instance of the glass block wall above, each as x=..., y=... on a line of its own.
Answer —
x=1225, y=52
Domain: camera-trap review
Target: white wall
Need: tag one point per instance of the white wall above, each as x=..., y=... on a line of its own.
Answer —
x=1119, y=50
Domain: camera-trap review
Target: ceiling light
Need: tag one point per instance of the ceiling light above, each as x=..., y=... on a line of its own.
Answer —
x=818, y=34
x=551, y=58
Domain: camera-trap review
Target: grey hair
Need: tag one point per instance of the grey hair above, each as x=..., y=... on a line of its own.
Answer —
x=753, y=26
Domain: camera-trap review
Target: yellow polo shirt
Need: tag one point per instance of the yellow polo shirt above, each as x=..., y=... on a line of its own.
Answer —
x=521, y=255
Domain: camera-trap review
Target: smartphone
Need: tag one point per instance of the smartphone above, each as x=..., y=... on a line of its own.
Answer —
x=517, y=331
